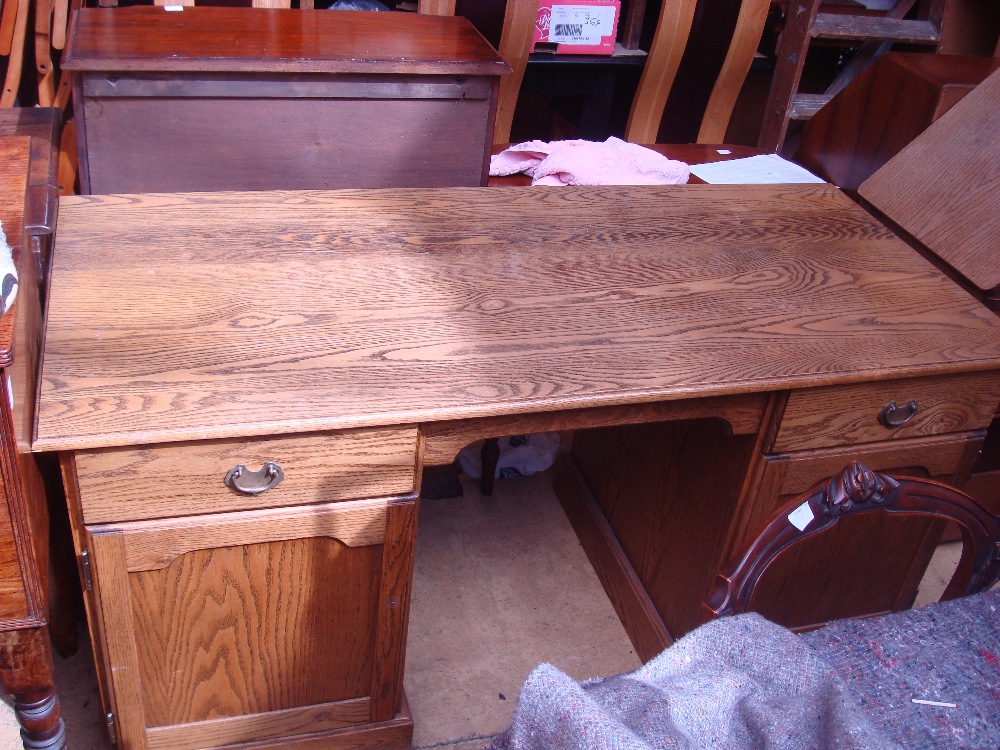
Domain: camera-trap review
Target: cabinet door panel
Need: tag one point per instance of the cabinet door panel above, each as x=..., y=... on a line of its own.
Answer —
x=241, y=642
x=225, y=632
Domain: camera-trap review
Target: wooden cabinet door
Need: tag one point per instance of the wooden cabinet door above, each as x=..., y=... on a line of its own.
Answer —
x=257, y=625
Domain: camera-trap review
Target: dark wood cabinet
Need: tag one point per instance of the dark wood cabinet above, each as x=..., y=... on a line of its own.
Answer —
x=25, y=650
x=883, y=110
x=239, y=99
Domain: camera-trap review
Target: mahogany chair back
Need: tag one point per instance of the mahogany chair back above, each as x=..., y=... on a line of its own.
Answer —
x=859, y=491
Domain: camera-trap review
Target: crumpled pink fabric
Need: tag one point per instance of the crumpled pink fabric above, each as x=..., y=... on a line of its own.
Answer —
x=613, y=162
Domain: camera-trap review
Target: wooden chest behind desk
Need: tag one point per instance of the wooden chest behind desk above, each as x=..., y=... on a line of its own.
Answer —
x=742, y=340
x=260, y=99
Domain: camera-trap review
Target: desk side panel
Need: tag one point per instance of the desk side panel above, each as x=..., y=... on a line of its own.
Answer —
x=668, y=492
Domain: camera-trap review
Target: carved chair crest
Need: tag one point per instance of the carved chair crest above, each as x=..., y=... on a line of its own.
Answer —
x=858, y=487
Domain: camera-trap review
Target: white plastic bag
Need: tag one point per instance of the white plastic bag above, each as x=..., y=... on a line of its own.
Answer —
x=520, y=455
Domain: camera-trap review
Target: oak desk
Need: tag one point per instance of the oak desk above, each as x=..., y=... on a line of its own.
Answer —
x=715, y=348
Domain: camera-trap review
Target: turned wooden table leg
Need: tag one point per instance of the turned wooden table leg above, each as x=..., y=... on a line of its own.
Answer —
x=26, y=675
x=490, y=457
x=40, y=716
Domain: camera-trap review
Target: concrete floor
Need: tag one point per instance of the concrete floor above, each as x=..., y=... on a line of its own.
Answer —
x=519, y=591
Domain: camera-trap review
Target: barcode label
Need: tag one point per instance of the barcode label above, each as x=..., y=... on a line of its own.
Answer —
x=581, y=24
x=571, y=30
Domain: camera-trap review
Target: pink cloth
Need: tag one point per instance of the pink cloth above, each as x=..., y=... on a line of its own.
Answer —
x=613, y=162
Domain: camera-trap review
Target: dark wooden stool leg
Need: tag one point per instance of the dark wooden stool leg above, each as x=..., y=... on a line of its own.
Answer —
x=490, y=456
x=26, y=675
x=40, y=716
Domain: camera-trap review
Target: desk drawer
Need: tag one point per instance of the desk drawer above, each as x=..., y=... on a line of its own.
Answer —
x=846, y=415
x=126, y=484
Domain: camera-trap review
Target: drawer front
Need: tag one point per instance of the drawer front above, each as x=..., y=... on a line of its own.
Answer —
x=847, y=415
x=126, y=484
x=947, y=459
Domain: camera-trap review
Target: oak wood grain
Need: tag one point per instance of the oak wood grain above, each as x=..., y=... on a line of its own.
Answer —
x=276, y=40
x=952, y=173
x=254, y=628
x=632, y=604
x=669, y=492
x=231, y=730
x=401, y=307
x=844, y=415
x=443, y=440
x=187, y=479
x=394, y=734
x=119, y=637
x=398, y=553
x=155, y=544
x=937, y=456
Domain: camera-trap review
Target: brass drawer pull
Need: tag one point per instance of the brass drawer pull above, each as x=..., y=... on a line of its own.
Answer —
x=893, y=416
x=240, y=479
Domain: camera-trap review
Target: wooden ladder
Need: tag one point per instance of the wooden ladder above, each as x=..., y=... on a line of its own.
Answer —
x=805, y=23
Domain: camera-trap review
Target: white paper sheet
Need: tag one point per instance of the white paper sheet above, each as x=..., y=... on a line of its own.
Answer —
x=753, y=170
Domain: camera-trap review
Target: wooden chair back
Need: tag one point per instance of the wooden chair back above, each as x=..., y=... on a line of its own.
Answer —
x=662, y=62
x=859, y=491
x=14, y=19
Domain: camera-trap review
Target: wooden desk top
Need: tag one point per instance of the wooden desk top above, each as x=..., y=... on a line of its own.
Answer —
x=276, y=41
x=177, y=317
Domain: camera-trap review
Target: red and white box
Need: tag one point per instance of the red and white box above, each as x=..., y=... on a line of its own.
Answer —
x=578, y=27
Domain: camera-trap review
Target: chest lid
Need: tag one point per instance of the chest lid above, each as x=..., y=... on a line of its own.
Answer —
x=240, y=40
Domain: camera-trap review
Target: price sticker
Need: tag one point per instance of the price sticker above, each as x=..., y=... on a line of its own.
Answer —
x=801, y=516
x=581, y=24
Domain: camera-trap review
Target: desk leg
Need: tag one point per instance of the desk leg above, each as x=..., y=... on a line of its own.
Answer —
x=26, y=674
x=490, y=457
